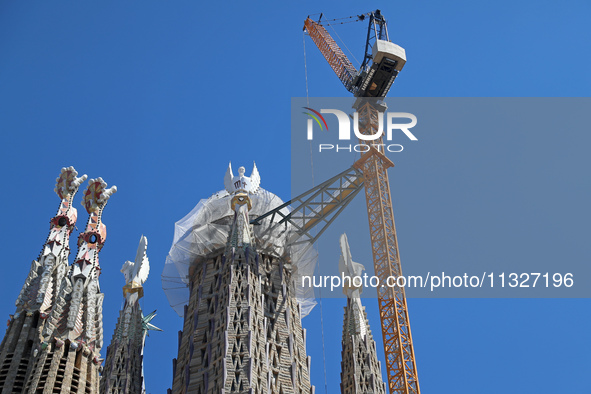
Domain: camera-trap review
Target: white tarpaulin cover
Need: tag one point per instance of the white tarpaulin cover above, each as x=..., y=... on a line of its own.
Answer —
x=205, y=229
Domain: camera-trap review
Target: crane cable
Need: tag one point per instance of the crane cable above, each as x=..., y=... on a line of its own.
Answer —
x=360, y=18
x=305, y=65
x=313, y=185
x=345, y=45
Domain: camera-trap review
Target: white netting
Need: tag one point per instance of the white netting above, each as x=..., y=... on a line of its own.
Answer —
x=205, y=229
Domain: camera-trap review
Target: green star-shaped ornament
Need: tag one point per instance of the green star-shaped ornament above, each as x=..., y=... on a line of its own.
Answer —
x=146, y=325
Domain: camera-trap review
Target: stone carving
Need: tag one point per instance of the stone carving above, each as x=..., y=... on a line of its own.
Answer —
x=242, y=183
x=136, y=273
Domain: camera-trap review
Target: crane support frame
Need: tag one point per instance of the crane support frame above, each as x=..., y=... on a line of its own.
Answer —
x=318, y=206
x=396, y=334
x=377, y=30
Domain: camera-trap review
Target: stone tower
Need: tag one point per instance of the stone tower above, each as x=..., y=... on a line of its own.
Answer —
x=37, y=297
x=360, y=368
x=123, y=372
x=242, y=328
x=66, y=355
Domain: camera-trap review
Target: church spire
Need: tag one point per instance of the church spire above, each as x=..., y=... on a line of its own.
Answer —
x=123, y=372
x=242, y=328
x=240, y=187
x=360, y=368
x=72, y=337
x=39, y=288
x=39, y=291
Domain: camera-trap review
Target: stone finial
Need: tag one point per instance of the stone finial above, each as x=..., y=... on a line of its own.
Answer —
x=136, y=273
x=350, y=268
x=97, y=195
x=68, y=182
x=242, y=183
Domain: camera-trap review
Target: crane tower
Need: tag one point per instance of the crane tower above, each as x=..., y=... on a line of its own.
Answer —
x=382, y=62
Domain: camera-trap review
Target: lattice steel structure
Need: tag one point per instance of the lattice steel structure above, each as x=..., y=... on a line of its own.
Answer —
x=334, y=55
x=318, y=206
x=400, y=358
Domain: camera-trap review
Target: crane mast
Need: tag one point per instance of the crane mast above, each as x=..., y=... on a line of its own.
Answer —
x=401, y=367
x=382, y=62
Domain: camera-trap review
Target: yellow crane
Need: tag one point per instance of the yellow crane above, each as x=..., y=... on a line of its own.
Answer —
x=381, y=64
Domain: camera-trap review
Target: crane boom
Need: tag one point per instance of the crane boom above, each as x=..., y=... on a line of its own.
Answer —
x=374, y=81
x=333, y=54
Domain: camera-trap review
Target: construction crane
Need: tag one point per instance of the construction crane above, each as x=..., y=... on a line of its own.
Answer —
x=382, y=62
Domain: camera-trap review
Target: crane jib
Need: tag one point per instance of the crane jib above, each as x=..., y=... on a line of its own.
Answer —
x=337, y=60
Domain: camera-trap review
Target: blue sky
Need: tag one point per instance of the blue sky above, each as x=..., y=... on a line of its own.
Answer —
x=156, y=97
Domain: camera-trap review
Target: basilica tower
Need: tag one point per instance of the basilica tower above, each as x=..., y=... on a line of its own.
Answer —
x=360, y=368
x=66, y=355
x=242, y=329
x=124, y=370
x=37, y=298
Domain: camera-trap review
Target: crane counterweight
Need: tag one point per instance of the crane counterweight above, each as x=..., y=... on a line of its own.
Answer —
x=388, y=60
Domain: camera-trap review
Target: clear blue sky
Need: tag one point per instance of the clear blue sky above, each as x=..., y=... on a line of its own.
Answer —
x=156, y=97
